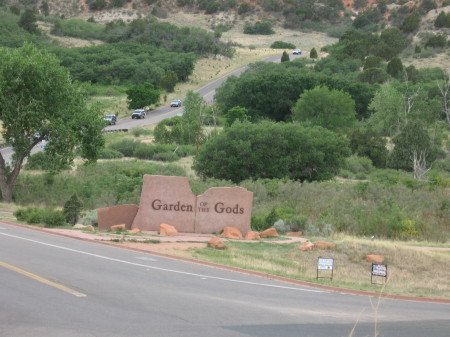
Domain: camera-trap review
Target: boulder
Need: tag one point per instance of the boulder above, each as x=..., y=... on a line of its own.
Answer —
x=88, y=228
x=270, y=232
x=375, y=258
x=306, y=246
x=294, y=234
x=121, y=227
x=167, y=230
x=231, y=233
x=215, y=242
x=134, y=230
x=324, y=245
x=252, y=236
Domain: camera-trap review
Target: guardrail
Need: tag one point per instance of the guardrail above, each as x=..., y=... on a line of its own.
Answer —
x=115, y=130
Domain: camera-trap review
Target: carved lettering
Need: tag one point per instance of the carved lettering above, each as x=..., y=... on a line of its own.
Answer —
x=220, y=208
x=158, y=205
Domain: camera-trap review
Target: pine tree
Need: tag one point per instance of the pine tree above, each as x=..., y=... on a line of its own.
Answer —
x=285, y=57
x=313, y=53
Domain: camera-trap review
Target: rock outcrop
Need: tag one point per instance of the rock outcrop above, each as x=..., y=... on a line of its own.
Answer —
x=270, y=232
x=167, y=230
x=215, y=242
x=252, y=236
x=306, y=246
x=231, y=233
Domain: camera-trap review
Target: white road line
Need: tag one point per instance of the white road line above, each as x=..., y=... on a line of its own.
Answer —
x=161, y=269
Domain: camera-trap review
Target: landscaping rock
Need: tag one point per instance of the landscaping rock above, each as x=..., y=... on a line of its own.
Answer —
x=375, y=258
x=134, y=230
x=324, y=245
x=294, y=234
x=215, y=242
x=252, y=236
x=167, y=230
x=270, y=232
x=306, y=246
x=121, y=227
x=88, y=228
x=231, y=233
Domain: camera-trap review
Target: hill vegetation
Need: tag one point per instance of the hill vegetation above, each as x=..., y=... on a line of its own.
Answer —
x=376, y=164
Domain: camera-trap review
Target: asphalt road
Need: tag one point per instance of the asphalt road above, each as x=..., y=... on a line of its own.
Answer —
x=116, y=292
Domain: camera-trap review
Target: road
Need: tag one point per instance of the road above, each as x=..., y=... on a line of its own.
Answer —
x=54, y=286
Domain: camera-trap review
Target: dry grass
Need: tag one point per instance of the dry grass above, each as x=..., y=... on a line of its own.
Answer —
x=411, y=271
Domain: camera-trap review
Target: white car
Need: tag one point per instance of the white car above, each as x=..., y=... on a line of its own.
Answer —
x=297, y=52
x=175, y=103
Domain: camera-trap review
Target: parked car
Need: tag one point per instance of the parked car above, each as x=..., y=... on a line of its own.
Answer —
x=138, y=113
x=175, y=103
x=110, y=119
x=297, y=52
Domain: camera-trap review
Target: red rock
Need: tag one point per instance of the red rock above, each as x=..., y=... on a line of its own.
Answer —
x=306, y=246
x=252, y=236
x=270, y=232
x=231, y=233
x=324, y=245
x=115, y=215
x=294, y=233
x=375, y=258
x=121, y=227
x=134, y=230
x=167, y=230
x=215, y=242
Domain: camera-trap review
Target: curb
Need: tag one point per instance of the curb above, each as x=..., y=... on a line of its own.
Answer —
x=249, y=272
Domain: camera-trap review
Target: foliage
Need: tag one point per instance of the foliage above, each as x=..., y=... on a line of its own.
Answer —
x=141, y=95
x=373, y=76
x=330, y=109
x=436, y=41
x=369, y=143
x=413, y=138
x=72, y=209
x=39, y=101
x=285, y=57
x=442, y=20
x=411, y=23
x=108, y=153
x=395, y=68
x=313, y=53
x=168, y=81
x=271, y=90
x=282, y=45
x=236, y=114
x=241, y=152
x=262, y=28
x=35, y=215
x=28, y=21
x=41, y=161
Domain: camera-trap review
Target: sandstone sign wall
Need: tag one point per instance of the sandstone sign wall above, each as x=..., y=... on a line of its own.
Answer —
x=169, y=200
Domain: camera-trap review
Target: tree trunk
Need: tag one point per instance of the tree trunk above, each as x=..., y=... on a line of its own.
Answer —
x=7, y=191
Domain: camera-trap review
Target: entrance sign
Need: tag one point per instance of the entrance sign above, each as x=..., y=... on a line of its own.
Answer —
x=325, y=264
x=166, y=199
x=379, y=270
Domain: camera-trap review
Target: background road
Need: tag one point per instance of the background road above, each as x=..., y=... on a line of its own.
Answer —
x=117, y=292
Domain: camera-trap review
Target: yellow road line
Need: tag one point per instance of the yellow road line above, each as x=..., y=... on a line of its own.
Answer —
x=42, y=280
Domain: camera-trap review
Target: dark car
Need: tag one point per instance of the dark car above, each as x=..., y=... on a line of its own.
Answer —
x=138, y=113
x=110, y=119
x=175, y=103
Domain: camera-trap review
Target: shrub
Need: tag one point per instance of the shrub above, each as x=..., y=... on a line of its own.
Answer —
x=436, y=41
x=282, y=45
x=262, y=28
x=41, y=161
x=108, y=153
x=72, y=209
x=358, y=165
x=34, y=215
x=125, y=146
x=90, y=218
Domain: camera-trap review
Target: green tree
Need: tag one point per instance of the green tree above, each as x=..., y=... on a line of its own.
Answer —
x=236, y=114
x=169, y=81
x=72, y=209
x=369, y=143
x=442, y=20
x=394, y=40
x=331, y=109
x=412, y=145
x=141, y=95
x=45, y=8
x=39, y=101
x=372, y=62
x=28, y=21
x=272, y=150
x=411, y=23
x=395, y=67
x=373, y=76
x=285, y=57
x=313, y=53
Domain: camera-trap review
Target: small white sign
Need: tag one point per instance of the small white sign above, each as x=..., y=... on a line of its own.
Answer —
x=379, y=269
x=325, y=264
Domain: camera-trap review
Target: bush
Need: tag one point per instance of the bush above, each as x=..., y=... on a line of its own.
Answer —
x=90, y=218
x=47, y=216
x=358, y=165
x=108, y=153
x=137, y=132
x=262, y=28
x=41, y=161
x=72, y=209
x=125, y=146
x=282, y=45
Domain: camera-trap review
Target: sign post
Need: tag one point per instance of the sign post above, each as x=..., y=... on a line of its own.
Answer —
x=379, y=270
x=325, y=264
